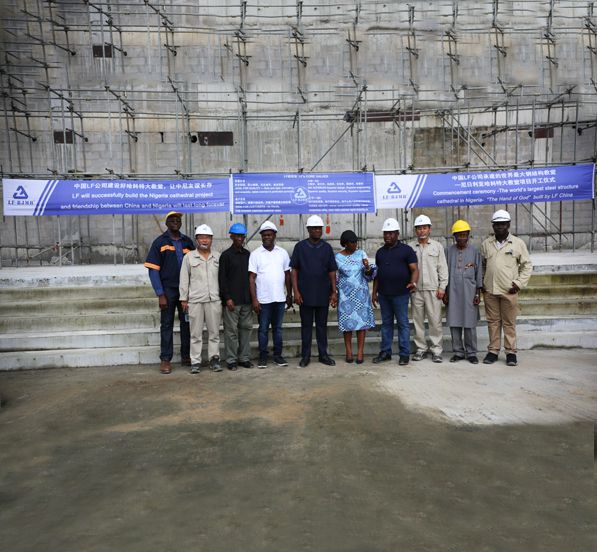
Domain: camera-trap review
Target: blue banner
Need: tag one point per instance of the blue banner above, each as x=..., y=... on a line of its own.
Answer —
x=564, y=183
x=109, y=197
x=297, y=193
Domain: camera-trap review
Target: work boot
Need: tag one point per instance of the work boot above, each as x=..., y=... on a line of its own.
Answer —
x=382, y=357
x=490, y=358
x=214, y=364
x=165, y=367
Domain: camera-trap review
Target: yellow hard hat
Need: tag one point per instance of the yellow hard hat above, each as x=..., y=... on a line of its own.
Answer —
x=461, y=226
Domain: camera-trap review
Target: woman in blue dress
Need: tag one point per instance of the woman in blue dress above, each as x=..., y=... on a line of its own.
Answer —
x=355, y=312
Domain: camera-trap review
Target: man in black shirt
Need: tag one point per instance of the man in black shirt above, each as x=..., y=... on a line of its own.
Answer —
x=314, y=286
x=233, y=276
x=397, y=276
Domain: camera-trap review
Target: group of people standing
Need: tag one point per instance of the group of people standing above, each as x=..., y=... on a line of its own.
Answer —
x=206, y=287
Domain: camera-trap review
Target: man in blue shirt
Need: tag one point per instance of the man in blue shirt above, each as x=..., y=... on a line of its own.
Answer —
x=164, y=261
x=397, y=276
x=314, y=286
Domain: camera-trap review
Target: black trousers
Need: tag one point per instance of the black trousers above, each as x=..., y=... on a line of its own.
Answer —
x=308, y=314
x=167, y=327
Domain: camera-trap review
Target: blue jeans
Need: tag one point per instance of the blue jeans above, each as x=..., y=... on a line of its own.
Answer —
x=271, y=313
x=167, y=327
x=394, y=306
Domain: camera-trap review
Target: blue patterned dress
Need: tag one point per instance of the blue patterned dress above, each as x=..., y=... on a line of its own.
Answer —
x=354, y=302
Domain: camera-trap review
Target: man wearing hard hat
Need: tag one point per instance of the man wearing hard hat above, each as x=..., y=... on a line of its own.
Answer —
x=164, y=261
x=314, y=285
x=200, y=296
x=507, y=269
x=397, y=276
x=426, y=301
x=462, y=296
x=269, y=276
x=237, y=315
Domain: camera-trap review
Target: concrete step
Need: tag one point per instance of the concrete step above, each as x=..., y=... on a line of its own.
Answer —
x=56, y=294
x=566, y=278
x=142, y=313
x=118, y=356
x=116, y=300
x=143, y=337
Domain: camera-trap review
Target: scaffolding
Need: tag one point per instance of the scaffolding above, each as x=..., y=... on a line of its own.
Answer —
x=119, y=89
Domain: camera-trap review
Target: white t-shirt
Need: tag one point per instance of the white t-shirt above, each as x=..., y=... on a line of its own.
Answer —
x=270, y=266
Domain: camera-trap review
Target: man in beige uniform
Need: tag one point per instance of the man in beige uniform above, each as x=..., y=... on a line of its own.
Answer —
x=506, y=270
x=200, y=297
x=431, y=287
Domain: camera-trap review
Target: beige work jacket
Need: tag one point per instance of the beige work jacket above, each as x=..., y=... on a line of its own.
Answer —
x=199, y=278
x=433, y=267
x=501, y=267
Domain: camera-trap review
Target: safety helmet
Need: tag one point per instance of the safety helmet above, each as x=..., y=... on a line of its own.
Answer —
x=461, y=226
x=314, y=220
x=422, y=220
x=267, y=225
x=238, y=228
x=390, y=225
x=172, y=214
x=501, y=216
x=203, y=229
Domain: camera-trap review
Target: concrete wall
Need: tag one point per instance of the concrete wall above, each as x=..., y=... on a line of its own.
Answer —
x=478, y=81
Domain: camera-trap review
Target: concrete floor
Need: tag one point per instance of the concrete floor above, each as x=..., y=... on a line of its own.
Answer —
x=353, y=458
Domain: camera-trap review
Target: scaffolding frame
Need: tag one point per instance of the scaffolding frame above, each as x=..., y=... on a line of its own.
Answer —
x=482, y=127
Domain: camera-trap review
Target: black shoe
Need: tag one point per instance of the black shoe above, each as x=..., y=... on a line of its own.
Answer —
x=511, y=359
x=403, y=360
x=232, y=366
x=262, y=362
x=327, y=360
x=382, y=357
x=490, y=358
x=456, y=358
x=280, y=360
x=473, y=359
x=246, y=364
x=214, y=364
x=304, y=362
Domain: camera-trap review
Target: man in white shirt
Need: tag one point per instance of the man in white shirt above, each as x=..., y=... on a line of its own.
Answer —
x=269, y=274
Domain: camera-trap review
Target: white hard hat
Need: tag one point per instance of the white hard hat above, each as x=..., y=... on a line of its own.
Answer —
x=422, y=220
x=203, y=229
x=314, y=220
x=501, y=216
x=390, y=225
x=267, y=225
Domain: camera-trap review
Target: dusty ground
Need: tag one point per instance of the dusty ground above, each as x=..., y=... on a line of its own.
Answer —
x=351, y=458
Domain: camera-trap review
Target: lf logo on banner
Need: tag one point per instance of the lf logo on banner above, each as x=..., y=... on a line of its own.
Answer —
x=20, y=193
x=393, y=188
x=20, y=197
x=300, y=196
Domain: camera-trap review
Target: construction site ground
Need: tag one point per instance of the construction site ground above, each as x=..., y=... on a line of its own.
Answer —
x=351, y=458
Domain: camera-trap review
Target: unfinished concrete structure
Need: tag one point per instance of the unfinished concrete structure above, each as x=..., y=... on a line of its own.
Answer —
x=140, y=88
